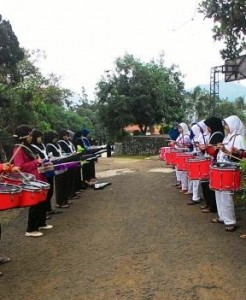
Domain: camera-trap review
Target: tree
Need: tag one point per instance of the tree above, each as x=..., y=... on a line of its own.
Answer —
x=229, y=24
x=10, y=53
x=199, y=104
x=139, y=93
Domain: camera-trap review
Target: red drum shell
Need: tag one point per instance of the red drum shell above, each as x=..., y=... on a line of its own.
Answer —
x=224, y=179
x=9, y=196
x=182, y=161
x=163, y=152
x=198, y=168
x=30, y=195
x=16, y=178
x=171, y=157
x=44, y=186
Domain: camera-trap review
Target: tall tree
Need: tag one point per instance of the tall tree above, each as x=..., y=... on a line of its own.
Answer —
x=139, y=93
x=229, y=24
x=10, y=53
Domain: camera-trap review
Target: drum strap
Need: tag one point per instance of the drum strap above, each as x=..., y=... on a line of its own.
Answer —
x=29, y=150
x=58, y=149
x=216, y=132
x=69, y=145
x=43, y=151
x=181, y=139
x=233, y=137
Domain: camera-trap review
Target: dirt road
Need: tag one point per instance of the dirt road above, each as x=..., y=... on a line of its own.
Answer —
x=134, y=240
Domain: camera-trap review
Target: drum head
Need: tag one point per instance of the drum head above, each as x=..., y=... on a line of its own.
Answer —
x=9, y=188
x=19, y=177
x=39, y=184
x=29, y=187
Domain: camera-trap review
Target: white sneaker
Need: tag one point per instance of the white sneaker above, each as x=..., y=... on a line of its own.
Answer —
x=46, y=227
x=34, y=234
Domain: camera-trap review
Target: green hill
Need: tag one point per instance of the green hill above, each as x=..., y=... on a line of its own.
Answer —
x=228, y=90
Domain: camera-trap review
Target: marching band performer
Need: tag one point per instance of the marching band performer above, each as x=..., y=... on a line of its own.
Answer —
x=216, y=135
x=6, y=167
x=24, y=158
x=40, y=150
x=234, y=138
x=200, y=136
x=72, y=175
x=182, y=141
x=54, y=151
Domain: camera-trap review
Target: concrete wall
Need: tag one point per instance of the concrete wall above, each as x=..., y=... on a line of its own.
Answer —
x=140, y=145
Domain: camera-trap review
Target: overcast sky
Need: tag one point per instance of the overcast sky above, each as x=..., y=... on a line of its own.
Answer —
x=82, y=38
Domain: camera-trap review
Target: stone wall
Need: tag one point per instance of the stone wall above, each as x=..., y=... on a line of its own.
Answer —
x=140, y=145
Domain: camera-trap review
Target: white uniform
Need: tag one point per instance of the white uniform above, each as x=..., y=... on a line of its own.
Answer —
x=200, y=136
x=224, y=200
x=182, y=139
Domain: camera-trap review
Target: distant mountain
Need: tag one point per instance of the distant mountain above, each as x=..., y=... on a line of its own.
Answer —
x=228, y=90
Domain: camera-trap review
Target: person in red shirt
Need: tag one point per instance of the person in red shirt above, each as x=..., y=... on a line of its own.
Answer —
x=6, y=167
x=24, y=157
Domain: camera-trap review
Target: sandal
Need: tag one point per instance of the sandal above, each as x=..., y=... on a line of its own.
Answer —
x=54, y=212
x=4, y=260
x=63, y=206
x=230, y=228
x=217, y=220
x=204, y=207
x=205, y=210
x=243, y=236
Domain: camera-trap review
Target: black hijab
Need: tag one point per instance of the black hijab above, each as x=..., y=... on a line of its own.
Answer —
x=215, y=124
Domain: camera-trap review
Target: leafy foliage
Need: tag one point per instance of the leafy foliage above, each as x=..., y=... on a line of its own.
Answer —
x=229, y=18
x=139, y=93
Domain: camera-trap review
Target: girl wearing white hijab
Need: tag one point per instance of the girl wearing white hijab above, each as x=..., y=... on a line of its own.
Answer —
x=182, y=141
x=200, y=137
x=234, y=138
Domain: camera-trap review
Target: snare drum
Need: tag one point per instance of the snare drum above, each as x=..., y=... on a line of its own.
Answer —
x=17, y=178
x=171, y=157
x=9, y=196
x=163, y=152
x=44, y=186
x=226, y=178
x=182, y=161
x=198, y=168
x=30, y=195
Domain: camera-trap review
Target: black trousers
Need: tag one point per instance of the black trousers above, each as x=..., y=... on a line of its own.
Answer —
x=209, y=196
x=88, y=170
x=48, y=206
x=61, y=189
x=36, y=217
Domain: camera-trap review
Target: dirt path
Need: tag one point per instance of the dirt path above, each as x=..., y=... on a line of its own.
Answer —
x=134, y=240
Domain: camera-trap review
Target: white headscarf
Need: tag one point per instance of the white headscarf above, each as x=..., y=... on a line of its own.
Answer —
x=235, y=125
x=199, y=128
x=185, y=128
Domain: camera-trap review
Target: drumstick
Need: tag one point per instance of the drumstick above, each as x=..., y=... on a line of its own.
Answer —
x=17, y=150
x=23, y=175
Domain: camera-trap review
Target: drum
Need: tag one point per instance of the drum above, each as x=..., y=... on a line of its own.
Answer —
x=44, y=186
x=182, y=160
x=171, y=157
x=9, y=196
x=226, y=178
x=163, y=152
x=198, y=168
x=17, y=178
x=30, y=195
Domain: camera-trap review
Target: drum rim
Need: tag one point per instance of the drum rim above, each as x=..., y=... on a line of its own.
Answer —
x=17, y=190
x=43, y=184
x=25, y=188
